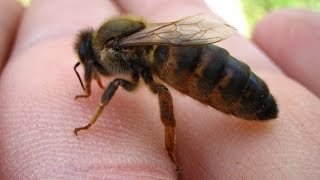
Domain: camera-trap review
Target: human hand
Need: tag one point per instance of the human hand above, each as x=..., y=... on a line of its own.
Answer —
x=38, y=113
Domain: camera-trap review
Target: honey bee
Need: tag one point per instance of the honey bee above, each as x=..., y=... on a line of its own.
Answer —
x=182, y=55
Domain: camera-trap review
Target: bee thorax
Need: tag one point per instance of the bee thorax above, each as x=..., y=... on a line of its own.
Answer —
x=115, y=62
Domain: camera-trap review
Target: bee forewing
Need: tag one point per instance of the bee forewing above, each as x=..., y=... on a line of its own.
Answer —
x=192, y=30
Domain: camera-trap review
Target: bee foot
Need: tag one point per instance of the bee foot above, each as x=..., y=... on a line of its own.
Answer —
x=81, y=96
x=76, y=130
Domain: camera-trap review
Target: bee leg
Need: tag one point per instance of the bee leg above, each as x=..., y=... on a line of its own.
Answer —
x=88, y=72
x=167, y=118
x=87, y=92
x=106, y=97
x=87, y=89
x=97, y=77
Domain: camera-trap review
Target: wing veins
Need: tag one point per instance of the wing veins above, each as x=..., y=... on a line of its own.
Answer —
x=192, y=30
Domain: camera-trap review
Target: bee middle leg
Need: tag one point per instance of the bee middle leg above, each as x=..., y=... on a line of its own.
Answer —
x=167, y=118
x=106, y=97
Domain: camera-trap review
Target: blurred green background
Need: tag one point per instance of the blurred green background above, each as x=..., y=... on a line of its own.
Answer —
x=254, y=10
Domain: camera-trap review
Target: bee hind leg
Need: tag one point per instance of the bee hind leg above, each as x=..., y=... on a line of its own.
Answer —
x=167, y=118
x=106, y=97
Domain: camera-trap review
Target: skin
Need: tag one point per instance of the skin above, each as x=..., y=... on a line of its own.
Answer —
x=9, y=25
x=38, y=113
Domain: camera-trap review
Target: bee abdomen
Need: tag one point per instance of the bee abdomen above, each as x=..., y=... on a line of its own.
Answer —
x=210, y=75
x=233, y=88
x=220, y=73
x=256, y=101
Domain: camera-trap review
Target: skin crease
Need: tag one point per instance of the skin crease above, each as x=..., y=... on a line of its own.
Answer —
x=38, y=113
x=8, y=25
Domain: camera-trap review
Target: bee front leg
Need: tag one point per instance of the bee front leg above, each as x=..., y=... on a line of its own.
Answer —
x=87, y=91
x=167, y=118
x=88, y=78
x=106, y=97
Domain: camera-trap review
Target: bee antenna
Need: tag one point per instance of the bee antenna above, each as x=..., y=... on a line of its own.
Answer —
x=75, y=70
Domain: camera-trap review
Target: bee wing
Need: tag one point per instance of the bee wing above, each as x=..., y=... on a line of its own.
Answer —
x=192, y=30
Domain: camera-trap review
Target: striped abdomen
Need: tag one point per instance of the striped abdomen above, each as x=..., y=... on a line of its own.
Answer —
x=210, y=75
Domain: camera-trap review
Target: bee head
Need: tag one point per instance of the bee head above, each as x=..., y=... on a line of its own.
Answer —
x=83, y=46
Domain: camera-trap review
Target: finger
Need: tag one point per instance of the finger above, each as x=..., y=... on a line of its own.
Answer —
x=291, y=38
x=43, y=21
x=10, y=12
x=211, y=144
x=38, y=113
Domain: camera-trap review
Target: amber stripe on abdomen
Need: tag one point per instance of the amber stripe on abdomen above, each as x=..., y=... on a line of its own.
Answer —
x=210, y=75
